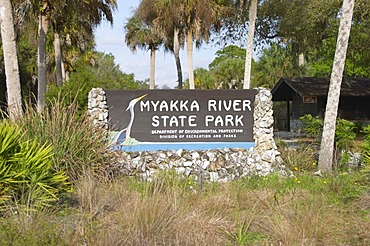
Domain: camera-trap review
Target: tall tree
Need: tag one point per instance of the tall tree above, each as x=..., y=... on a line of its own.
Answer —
x=328, y=135
x=148, y=36
x=275, y=62
x=227, y=68
x=176, y=52
x=65, y=17
x=10, y=59
x=199, y=17
x=170, y=24
x=304, y=24
x=44, y=14
x=58, y=14
x=249, y=54
x=140, y=35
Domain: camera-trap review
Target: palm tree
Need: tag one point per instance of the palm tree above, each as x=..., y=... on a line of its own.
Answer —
x=275, y=62
x=63, y=14
x=200, y=16
x=10, y=59
x=66, y=17
x=141, y=34
x=170, y=25
x=43, y=16
x=58, y=13
x=328, y=135
x=177, y=44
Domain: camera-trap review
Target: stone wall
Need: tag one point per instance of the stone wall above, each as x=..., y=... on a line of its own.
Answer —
x=212, y=165
x=265, y=153
x=97, y=108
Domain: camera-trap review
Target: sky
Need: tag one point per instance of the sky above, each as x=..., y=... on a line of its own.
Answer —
x=111, y=39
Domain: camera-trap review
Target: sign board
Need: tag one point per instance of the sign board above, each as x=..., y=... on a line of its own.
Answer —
x=309, y=99
x=172, y=119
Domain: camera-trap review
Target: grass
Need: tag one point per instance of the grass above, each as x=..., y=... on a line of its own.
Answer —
x=332, y=210
x=77, y=144
x=303, y=209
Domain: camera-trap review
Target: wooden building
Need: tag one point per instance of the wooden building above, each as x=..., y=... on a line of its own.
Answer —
x=308, y=95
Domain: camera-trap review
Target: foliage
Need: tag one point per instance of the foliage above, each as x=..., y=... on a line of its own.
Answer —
x=140, y=34
x=101, y=72
x=275, y=62
x=229, y=74
x=344, y=131
x=312, y=125
x=365, y=151
x=229, y=52
x=77, y=144
x=302, y=23
x=321, y=60
x=300, y=159
x=344, y=134
x=366, y=144
x=227, y=69
x=27, y=179
x=43, y=229
x=311, y=28
x=203, y=79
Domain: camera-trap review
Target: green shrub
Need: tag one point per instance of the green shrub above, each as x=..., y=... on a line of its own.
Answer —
x=312, y=125
x=344, y=131
x=365, y=150
x=103, y=73
x=73, y=93
x=301, y=159
x=344, y=134
x=77, y=144
x=38, y=231
x=366, y=131
x=26, y=175
x=9, y=144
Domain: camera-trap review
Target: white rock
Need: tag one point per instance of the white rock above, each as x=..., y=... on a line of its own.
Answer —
x=188, y=164
x=195, y=155
x=213, y=176
x=188, y=171
x=205, y=164
x=258, y=167
x=179, y=152
x=180, y=170
x=211, y=156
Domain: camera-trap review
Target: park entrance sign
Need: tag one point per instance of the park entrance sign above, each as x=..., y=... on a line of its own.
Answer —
x=188, y=119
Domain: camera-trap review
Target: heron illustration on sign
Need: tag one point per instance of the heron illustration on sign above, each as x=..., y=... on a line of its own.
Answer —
x=126, y=132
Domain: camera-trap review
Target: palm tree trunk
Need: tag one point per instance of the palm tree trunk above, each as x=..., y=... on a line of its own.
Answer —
x=301, y=59
x=328, y=135
x=152, y=68
x=58, y=58
x=41, y=57
x=189, y=50
x=249, y=54
x=176, y=52
x=13, y=85
x=64, y=74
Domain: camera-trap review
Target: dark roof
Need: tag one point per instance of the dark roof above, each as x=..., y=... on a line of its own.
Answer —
x=309, y=86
